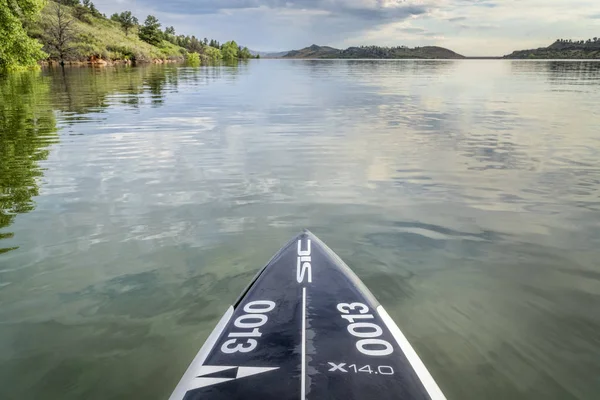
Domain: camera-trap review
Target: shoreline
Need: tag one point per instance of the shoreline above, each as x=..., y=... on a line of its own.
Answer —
x=99, y=63
x=104, y=63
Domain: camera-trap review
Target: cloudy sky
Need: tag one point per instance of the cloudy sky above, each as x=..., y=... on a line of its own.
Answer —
x=470, y=27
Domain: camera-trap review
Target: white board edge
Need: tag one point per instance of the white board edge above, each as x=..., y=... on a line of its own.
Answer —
x=426, y=379
x=190, y=373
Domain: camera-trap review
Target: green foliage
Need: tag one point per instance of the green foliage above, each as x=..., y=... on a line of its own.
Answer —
x=96, y=37
x=585, y=45
x=244, y=53
x=121, y=52
x=169, y=35
x=563, y=49
x=94, y=11
x=150, y=32
x=91, y=8
x=27, y=128
x=126, y=19
x=397, y=52
x=194, y=45
x=230, y=51
x=193, y=59
x=213, y=54
x=105, y=39
x=82, y=13
x=17, y=49
x=182, y=41
x=375, y=52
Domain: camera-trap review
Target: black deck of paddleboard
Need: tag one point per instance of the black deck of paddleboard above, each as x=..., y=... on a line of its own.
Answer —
x=287, y=338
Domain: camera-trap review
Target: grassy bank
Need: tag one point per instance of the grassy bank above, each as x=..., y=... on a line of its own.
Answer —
x=95, y=38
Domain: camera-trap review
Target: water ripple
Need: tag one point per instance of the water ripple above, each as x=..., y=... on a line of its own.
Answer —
x=136, y=203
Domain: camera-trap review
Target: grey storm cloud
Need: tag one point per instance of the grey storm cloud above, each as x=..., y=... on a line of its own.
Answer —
x=361, y=9
x=480, y=27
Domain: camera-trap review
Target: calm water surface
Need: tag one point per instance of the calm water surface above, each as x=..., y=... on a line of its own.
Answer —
x=136, y=204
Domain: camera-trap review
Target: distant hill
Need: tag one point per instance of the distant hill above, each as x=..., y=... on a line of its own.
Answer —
x=398, y=52
x=276, y=55
x=269, y=54
x=313, y=51
x=427, y=52
x=562, y=49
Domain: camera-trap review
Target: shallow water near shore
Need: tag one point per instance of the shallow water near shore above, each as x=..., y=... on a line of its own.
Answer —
x=137, y=202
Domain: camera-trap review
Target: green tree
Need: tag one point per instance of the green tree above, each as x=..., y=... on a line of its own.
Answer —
x=193, y=59
x=181, y=41
x=150, y=32
x=170, y=35
x=230, y=51
x=194, y=45
x=94, y=11
x=27, y=128
x=17, y=50
x=244, y=53
x=213, y=54
x=127, y=21
x=81, y=13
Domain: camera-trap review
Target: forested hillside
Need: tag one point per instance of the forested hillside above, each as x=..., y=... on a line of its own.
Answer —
x=74, y=31
x=562, y=49
x=373, y=52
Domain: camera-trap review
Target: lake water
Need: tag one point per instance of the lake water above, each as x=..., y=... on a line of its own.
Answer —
x=137, y=203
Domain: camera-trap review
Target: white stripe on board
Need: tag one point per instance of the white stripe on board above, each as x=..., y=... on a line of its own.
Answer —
x=303, y=379
x=196, y=365
x=426, y=379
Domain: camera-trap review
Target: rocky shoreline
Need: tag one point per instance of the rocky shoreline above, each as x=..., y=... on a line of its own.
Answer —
x=99, y=62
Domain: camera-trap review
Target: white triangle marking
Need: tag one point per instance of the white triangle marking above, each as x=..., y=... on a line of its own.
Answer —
x=211, y=369
x=198, y=383
x=247, y=371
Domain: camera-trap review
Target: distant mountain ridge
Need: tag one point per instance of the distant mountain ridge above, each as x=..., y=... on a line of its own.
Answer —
x=562, y=49
x=313, y=51
x=374, y=52
x=269, y=54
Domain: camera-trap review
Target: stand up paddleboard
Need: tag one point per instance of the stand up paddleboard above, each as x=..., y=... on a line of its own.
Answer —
x=306, y=328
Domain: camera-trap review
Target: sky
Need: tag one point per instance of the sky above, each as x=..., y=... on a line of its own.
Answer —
x=469, y=27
